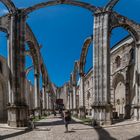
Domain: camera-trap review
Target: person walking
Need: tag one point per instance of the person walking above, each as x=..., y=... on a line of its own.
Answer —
x=31, y=123
x=67, y=119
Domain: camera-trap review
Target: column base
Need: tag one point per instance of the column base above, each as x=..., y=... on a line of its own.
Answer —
x=75, y=112
x=102, y=114
x=17, y=115
x=44, y=112
x=48, y=112
x=127, y=112
x=37, y=112
x=136, y=116
x=82, y=112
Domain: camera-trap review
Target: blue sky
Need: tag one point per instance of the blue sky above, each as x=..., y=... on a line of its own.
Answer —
x=62, y=29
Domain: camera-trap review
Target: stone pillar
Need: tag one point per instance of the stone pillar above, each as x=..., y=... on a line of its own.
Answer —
x=10, y=44
x=43, y=99
x=18, y=109
x=71, y=100
x=37, y=95
x=74, y=100
x=50, y=103
x=137, y=82
x=101, y=104
x=127, y=95
x=82, y=109
x=9, y=66
x=138, y=79
x=47, y=102
x=68, y=101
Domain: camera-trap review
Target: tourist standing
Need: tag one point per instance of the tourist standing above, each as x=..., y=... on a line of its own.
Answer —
x=67, y=119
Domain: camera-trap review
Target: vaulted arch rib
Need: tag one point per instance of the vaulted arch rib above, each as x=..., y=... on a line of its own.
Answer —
x=84, y=53
x=87, y=6
x=111, y=5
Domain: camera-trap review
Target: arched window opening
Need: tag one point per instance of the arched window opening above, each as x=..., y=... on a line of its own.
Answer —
x=28, y=64
x=118, y=61
x=116, y=37
x=3, y=44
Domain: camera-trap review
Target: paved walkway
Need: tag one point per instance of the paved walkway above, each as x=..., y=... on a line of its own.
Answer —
x=53, y=129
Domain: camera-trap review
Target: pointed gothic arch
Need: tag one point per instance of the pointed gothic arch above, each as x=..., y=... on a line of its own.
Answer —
x=85, y=5
x=110, y=5
x=34, y=47
x=75, y=73
x=84, y=52
x=117, y=20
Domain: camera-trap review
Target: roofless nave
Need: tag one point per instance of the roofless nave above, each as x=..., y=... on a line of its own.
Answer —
x=19, y=33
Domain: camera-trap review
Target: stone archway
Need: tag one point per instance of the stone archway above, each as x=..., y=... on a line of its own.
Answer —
x=119, y=96
x=84, y=52
x=105, y=19
x=85, y=5
x=82, y=63
x=104, y=22
x=74, y=80
x=117, y=20
x=120, y=99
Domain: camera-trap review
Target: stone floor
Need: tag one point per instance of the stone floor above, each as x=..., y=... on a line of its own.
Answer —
x=53, y=129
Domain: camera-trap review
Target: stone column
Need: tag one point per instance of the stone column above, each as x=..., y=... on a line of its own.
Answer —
x=138, y=83
x=18, y=110
x=101, y=104
x=136, y=102
x=10, y=44
x=37, y=94
x=82, y=109
x=43, y=98
x=9, y=66
x=47, y=102
x=112, y=98
x=71, y=100
x=46, y=94
x=50, y=103
x=74, y=100
x=127, y=95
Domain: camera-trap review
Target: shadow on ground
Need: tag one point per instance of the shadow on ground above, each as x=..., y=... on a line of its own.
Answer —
x=14, y=134
x=104, y=135
x=53, y=123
